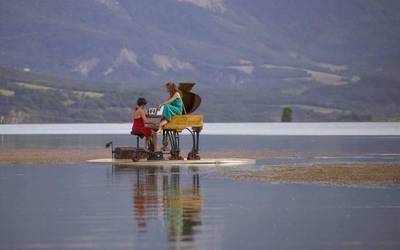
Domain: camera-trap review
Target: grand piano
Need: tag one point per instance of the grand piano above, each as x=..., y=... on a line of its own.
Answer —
x=187, y=121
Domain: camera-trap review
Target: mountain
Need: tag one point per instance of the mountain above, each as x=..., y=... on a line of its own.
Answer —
x=326, y=59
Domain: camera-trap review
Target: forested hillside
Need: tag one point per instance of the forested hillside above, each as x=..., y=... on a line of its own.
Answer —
x=31, y=98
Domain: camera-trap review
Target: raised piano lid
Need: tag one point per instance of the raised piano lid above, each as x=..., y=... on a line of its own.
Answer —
x=191, y=101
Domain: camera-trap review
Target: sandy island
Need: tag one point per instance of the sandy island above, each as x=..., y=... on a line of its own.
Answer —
x=368, y=174
x=360, y=174
x=52, y=155
x=48, y=155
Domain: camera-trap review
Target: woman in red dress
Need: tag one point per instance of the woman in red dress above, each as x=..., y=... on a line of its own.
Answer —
x=139, y=119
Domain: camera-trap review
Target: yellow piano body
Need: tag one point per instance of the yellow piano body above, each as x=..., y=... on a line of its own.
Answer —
x=181, y=122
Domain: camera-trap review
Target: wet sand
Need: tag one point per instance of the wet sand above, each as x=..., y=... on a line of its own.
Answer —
x=52, y=155
x=367, y=174
x=359, y=174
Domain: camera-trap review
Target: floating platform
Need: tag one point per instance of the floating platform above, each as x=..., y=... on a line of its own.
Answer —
x=202, y=162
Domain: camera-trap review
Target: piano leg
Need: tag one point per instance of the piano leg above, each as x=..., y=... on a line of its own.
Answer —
x=173, y=136
x=165, y=141
x=194, y=154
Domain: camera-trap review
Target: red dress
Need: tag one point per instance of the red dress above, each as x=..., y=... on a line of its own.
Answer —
x=138, y=127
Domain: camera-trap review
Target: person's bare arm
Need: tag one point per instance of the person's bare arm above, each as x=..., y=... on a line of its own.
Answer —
x=143, y=115
x=133, y=115
x=176, y=95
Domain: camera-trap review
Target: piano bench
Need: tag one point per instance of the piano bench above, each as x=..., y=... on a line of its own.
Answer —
x=139, y=136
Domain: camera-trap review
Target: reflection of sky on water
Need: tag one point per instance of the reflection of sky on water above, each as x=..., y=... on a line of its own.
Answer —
x=252, y=128
x=88, y=206
x=327, y=144
x=78, y=205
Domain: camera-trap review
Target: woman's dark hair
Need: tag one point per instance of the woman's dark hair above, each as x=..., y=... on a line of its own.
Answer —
x=141, y=101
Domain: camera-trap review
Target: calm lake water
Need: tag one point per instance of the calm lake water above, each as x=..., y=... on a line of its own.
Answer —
x=310, y=148
x=333, y=128
x=81, y=206
x=90, y=206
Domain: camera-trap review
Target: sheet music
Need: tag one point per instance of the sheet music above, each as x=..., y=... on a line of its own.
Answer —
x=159, y=112
x=155, y=111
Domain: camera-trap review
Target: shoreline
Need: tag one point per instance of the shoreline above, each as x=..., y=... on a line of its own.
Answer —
x=372, y=174
x=385, y=128
x=48, y=155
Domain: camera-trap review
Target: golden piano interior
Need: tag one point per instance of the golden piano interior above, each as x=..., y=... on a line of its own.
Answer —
x=170, y=137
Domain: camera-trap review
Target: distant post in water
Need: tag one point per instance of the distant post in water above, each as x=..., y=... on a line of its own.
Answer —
x=286, y=114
